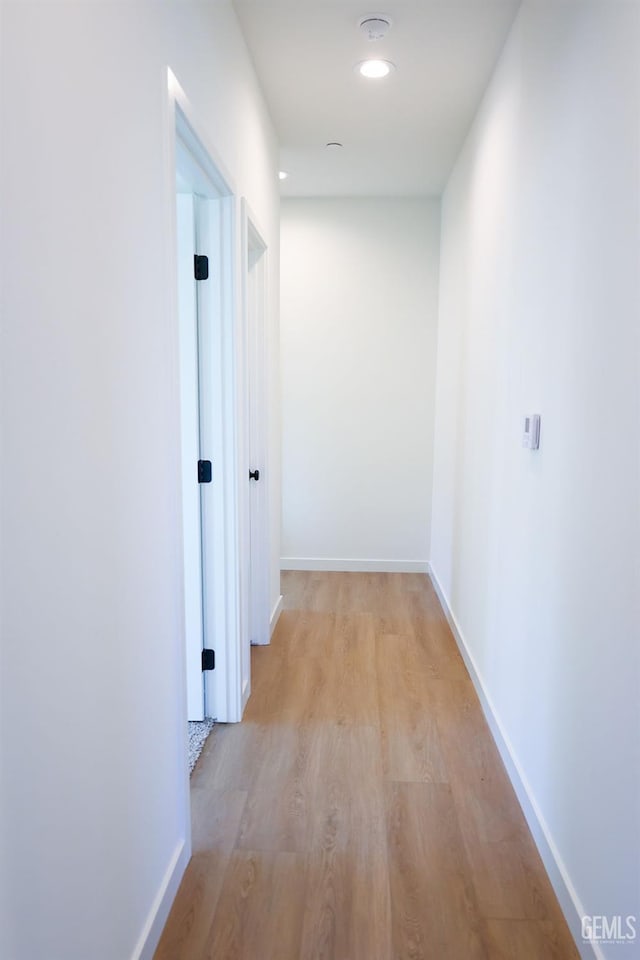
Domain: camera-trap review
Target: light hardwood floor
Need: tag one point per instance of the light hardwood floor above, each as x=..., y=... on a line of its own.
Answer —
x=361, y=810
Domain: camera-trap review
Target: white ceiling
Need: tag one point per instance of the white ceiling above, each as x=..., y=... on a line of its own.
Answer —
x=401, y=135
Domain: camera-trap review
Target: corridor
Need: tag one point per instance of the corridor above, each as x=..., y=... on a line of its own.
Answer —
x=361, y=810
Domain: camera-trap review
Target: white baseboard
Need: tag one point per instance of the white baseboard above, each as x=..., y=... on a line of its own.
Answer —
x=565, y=891
x=354, y=566
x=150, y=936
x=275, y=614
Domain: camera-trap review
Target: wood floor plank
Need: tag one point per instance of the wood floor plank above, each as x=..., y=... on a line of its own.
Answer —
x=509, y=879
x=434, y=909
x=216, y=819
x=259, y=912
x=528, y=940
x=410, y=737
x=486, y=804
x=231, y=757
x=279, y=809
x=432, y=652
x=361, y=810
x=326, y=673
x=354, y=680
x=325, y=931
x=348, y=910
x=311, y=634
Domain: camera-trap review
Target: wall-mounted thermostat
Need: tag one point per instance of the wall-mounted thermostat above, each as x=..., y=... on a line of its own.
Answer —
x=531, y=435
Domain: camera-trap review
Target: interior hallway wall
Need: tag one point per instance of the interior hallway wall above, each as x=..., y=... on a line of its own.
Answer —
x=538, y=552
x=94, y=792
x=358, y=334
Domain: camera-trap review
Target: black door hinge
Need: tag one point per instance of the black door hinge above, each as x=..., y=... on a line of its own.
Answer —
x=201, y=267
x=204, y=471
x=208, y=659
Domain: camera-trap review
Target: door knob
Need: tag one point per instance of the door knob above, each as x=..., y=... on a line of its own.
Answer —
x=254, y=474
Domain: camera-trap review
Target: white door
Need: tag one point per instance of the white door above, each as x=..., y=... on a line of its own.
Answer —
x=212, y=424
x=257, y=409
x=190, y=453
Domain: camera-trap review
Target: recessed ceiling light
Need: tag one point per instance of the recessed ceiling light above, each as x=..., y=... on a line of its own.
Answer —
x=334, y=144
x=283, y=175
x=375, y=69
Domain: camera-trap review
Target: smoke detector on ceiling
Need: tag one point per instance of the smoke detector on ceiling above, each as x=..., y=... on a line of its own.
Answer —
x=376, y=26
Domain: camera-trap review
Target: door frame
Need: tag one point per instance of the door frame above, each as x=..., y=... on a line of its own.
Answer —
x=189, y=378
x=219, y=306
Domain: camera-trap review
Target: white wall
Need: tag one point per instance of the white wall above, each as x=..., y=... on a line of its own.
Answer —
x=358, y=335
x=94, y=791
x=538, y=553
